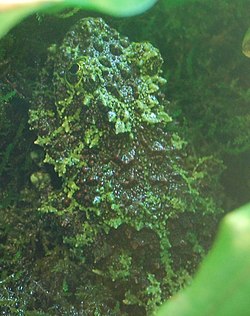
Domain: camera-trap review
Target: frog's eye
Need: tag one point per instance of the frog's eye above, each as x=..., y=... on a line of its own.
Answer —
x=72, y=72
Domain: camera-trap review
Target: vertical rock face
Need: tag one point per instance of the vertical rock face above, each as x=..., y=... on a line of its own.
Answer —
x=126, y=191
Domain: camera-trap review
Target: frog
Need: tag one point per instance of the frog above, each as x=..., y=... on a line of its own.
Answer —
x=126, y=185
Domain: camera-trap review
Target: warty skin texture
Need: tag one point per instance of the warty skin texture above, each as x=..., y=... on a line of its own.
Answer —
x=125, y=182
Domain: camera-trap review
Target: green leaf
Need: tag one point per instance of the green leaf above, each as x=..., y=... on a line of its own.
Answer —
x=13, y=11
x=246, y=44
x=10, y=18
x=114, y=7
x=176, y=3
x=222, y=285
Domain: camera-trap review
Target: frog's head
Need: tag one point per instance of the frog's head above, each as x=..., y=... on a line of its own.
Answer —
x=89, y=58
x=97, y=68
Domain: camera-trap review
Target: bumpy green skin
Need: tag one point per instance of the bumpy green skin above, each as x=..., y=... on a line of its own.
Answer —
x=126, y=183
x=103, y=131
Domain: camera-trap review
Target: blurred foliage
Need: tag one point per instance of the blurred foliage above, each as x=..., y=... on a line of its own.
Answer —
x=12, y=12
x=246, y=43
x=13, y=160
x=221, y=286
